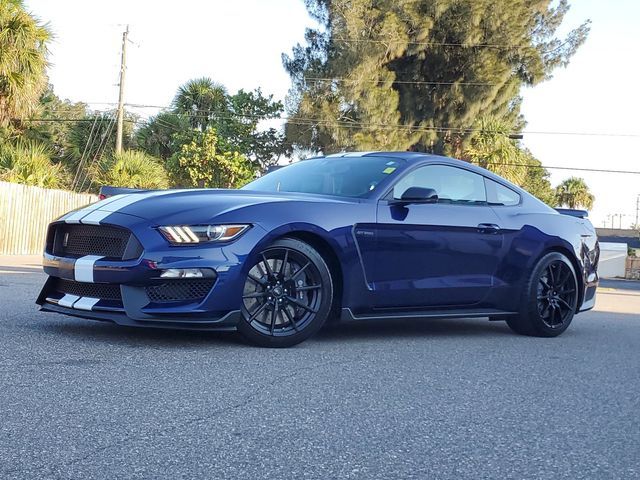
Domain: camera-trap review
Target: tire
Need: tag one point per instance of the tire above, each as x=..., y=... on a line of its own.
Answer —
x=549, y=298
x=287, y=295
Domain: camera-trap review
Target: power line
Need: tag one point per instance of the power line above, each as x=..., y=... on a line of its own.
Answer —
x=553, y=167
x=80, y=120
x=433, y=44
x=525, y=165
x=354, y=124
x=400, y=82
x=305, y=121
x=98, y=154
x=76, y=177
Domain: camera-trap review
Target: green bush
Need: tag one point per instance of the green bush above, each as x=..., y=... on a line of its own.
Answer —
x=29, y=163
x=132, y=169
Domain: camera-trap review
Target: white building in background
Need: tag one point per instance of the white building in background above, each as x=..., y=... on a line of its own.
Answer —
x=613, y=258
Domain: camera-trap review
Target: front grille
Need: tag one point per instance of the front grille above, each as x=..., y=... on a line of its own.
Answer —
x=105, y=241
x=180, y=290
x=93, y=290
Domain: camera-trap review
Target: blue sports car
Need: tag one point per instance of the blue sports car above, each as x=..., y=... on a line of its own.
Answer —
x=352, y=236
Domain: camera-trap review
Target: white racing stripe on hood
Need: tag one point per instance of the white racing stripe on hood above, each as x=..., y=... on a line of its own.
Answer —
x=96, y=216
x=75, y=217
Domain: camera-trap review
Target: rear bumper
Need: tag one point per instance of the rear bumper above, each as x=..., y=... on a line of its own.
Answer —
x=589, y=297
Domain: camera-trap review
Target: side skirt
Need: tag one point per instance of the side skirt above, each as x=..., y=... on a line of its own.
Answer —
x=493, y=314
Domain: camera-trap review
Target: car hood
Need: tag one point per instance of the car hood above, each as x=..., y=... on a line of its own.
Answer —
x=199, y=206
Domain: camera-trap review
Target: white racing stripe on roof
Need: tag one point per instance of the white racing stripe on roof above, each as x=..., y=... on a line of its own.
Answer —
x=86, y=303
x=358, y=154
x=83, y=268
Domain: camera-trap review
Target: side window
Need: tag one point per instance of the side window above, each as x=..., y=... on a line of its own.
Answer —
x=453, y=185
x=500, y=195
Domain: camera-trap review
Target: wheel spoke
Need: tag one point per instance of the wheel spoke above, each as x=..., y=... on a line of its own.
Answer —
x=290, y=318
x=258, y=311
x=545, y=283
x=552, y=277
x=257, y=280
x=566, y=292
x=266, y=263
x=284, y=263
x=563, y=279
x=255, y=295
x=274, y=316
x=305, y=288
x=295, y=301
x=298, y=272
x=545, y=310
x=564, y=302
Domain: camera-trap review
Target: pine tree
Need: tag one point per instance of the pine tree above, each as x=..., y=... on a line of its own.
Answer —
x=417, y=74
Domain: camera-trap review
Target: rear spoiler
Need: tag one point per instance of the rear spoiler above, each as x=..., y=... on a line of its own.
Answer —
x=106, y=192
x=572, y=212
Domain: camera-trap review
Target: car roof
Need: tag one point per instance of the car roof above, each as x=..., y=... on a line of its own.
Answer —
x=418, y=157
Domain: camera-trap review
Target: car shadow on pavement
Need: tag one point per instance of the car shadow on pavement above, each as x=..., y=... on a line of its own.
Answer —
x=104, y=332
x=415, y=328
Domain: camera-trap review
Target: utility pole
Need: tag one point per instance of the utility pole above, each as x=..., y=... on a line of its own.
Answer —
x=613, y=220
x=123, y=68
x=637, y=211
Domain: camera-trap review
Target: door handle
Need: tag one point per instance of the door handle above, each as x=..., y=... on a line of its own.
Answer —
x=488, y=228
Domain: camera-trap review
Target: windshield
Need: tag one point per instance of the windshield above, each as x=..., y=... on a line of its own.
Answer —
x=339, y=176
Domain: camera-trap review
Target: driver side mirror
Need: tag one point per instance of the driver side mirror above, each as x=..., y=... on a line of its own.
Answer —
x=418, y=195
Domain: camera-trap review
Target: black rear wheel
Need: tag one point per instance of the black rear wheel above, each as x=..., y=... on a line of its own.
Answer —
x=287, y=295
x=549, y=299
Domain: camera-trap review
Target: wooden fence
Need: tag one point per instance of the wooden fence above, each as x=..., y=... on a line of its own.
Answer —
x=26, y=211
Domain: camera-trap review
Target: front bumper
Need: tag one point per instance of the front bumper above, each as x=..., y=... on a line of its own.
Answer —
x=227, y=322
x=217, y=309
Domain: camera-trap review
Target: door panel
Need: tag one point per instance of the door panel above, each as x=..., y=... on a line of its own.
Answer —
x=434, y=255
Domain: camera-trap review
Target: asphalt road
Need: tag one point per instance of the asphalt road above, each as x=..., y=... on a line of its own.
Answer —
x=408, y=399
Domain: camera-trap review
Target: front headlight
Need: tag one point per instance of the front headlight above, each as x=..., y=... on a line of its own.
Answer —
x=187, y=235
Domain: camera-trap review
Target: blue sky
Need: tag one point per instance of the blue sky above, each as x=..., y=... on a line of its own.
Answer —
x=239, y=44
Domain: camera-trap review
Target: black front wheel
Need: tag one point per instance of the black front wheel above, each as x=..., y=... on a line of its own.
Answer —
x=549, y=300
x=287, y=295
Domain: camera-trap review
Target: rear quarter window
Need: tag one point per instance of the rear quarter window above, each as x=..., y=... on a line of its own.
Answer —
x=498, y=194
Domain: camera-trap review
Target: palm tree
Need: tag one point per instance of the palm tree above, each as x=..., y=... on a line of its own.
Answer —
x=491, y=148
x=574, y=193
x=29, y=163
x=134, y=169
x=23, y=61
x=202, y=100
x=156, y=136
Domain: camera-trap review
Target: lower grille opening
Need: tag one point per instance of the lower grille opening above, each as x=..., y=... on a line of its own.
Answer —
x=180, y=290
x=93, y=290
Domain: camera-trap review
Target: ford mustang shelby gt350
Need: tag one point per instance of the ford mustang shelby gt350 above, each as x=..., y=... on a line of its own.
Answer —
x=345, y=237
